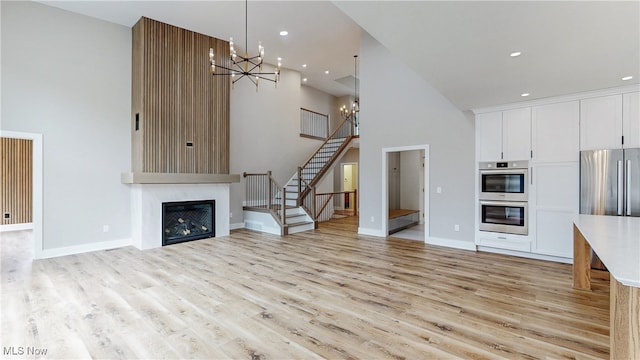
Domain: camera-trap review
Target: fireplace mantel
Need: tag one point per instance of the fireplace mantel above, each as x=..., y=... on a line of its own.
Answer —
x=178, y=178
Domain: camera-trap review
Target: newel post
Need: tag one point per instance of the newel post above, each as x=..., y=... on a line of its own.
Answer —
x=299, y=181
x=314, y=208
x=283, y=215
x=355, y=202
x=269, y=194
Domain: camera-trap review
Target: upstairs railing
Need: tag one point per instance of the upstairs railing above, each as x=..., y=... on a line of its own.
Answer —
x=326, y=202
x=313, y=124
x=263, y=193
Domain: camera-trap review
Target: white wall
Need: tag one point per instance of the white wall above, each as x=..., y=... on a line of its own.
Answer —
x=410, y=168
x=321, y=102
x=398, y=108
x=68, y=77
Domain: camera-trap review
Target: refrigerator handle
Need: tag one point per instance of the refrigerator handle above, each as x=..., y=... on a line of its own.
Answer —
x=628, y=188
x=620, y=187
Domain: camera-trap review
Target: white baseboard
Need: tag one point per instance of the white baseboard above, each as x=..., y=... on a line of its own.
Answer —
x=16, y=227
x=236, y=226
x=456, y=244
x=84, y=248
x=371, y=232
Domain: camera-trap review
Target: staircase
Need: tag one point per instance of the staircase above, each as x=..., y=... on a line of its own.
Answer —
x=291, y=208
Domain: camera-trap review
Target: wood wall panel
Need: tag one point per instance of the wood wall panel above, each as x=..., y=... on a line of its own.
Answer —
x=179, y=101
x=17, y=181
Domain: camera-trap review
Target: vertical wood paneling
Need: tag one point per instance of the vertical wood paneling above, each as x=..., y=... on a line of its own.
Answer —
x=137, y=79
x=179, y=101
x=17, y=180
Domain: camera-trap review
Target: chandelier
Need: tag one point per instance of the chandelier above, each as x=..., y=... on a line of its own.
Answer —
x=244, y=66
x=351, y=113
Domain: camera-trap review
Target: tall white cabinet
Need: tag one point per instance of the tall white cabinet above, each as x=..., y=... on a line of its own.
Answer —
x=555, y=177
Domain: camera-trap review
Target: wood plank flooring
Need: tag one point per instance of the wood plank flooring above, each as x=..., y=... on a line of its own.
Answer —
x=324, y=294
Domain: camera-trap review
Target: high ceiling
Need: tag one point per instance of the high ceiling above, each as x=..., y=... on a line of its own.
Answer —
x=462, y=48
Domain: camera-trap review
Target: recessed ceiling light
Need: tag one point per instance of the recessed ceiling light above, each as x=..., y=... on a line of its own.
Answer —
x=304, y=65
x=279, y=58
x=284, y=33
x=304, y=79
x=326, y=71
x=627, y=78
x=515, y=54
x=524, y=94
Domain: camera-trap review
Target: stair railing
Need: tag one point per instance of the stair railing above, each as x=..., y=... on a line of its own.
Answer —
x=322, y=200
x=263, y=193
x=307, y=203
x=343, y=131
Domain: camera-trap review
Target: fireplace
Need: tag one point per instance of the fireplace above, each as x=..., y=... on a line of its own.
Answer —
x=188, y=220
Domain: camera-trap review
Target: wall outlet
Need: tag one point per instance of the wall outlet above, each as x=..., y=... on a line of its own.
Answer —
x=456, y=227
x=230, y=215
x=105, y=228
x=439, y=190
x=373, y=219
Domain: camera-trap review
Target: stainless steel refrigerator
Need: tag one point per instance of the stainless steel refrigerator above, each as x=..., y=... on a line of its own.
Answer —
x=610, y=184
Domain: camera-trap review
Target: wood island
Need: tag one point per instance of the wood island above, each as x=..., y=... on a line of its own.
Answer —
x=616, y=241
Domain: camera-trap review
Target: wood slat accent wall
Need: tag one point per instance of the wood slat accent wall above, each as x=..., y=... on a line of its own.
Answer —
x=178, y=101
x=17, y=180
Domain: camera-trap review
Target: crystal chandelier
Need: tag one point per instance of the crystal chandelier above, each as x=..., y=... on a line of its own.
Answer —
x=244, y=66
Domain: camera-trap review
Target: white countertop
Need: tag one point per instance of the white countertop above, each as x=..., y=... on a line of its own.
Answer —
x=616, y=241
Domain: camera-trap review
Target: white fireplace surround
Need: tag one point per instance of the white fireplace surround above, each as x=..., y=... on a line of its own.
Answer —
x=146, y=208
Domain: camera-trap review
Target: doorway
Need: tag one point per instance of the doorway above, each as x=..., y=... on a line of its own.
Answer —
x=349, y=176
x=36, y=191
x=406, y=192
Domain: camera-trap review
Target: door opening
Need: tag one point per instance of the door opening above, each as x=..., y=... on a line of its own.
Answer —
x=349, y=185
x=406, y=195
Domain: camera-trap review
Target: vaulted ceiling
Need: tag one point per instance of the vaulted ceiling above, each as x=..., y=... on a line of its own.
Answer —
x=460, y=47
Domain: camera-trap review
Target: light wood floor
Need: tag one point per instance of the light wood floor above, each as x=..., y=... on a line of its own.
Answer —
x=324, y=294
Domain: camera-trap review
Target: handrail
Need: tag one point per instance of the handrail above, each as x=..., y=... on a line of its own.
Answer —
x=311, y=111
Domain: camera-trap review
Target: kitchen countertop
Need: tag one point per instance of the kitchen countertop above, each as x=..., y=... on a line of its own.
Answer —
x=616, y=240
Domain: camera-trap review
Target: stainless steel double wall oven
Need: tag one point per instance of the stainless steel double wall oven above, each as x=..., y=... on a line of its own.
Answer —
x=504, y=196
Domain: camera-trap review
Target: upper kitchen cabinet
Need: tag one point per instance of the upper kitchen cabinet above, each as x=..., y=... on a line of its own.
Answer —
x=504, y=135
x=516, y=134
x=601, y=123
x=555, y=132
x=631, y=120
x=489, y=136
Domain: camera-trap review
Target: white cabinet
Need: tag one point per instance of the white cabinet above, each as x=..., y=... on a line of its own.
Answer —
x=504, y=135
x=601, y=123
x=555, y=132
x=556, y=202
x=489, y=136
x=516, y=134
x=504, y=241
x=631, y=120
x=555, y=178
